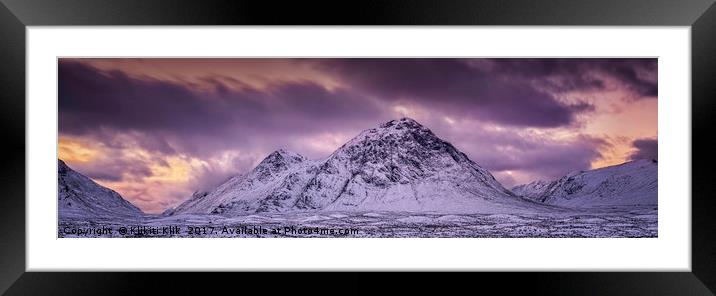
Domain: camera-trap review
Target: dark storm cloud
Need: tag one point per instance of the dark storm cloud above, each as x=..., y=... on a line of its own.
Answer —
x=456, y=86
x=198, y=122
x=645, y=149
x=627, y=72
x=636, y=75
x=518, y=92
x=89, y=99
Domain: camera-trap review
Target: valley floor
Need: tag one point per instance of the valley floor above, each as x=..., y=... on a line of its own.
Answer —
x=611, y=222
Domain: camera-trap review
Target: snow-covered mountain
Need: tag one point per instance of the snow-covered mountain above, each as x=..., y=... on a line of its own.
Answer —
x=398, y=166
x=631, y=183
x=269, y=185
x=531, y=189
x=79, y=196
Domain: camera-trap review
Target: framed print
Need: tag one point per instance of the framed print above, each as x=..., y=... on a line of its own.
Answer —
x=519, y=139
x=296, y=154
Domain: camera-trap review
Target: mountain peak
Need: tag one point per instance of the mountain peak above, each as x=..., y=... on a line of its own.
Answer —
x=395, y=131
x=402, y=151
x=402, y=138
x=277, y=161
x=402, y=123
x=284, y=155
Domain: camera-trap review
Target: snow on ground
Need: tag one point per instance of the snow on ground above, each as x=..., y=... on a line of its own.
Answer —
x=612, y=222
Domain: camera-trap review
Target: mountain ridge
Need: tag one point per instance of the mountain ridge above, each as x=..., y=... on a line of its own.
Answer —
x=398, y=166
x=629, y=183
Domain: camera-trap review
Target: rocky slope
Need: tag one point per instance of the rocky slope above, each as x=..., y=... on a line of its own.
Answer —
x=631, y=183
x=79, y=196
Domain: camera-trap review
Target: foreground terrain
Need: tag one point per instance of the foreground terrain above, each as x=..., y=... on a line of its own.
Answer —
x=609, y=222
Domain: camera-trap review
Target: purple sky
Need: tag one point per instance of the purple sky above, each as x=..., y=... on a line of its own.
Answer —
x=158, y=129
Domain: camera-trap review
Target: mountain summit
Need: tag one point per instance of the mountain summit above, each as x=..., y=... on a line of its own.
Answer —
x=277, y=162
x=398, y=166
x=401, y=163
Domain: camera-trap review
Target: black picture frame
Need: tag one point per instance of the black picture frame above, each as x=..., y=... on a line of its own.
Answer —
x=699, y=15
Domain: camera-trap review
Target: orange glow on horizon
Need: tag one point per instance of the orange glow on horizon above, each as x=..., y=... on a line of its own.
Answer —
x=73, y=150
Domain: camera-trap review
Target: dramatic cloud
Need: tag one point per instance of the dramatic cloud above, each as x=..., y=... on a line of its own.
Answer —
x=635, y=76
x=645, y=149
x=172, y=118
x=456, y=86
x=157, y=130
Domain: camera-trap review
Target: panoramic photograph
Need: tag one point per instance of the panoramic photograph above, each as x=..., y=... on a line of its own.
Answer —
x=357, y=147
